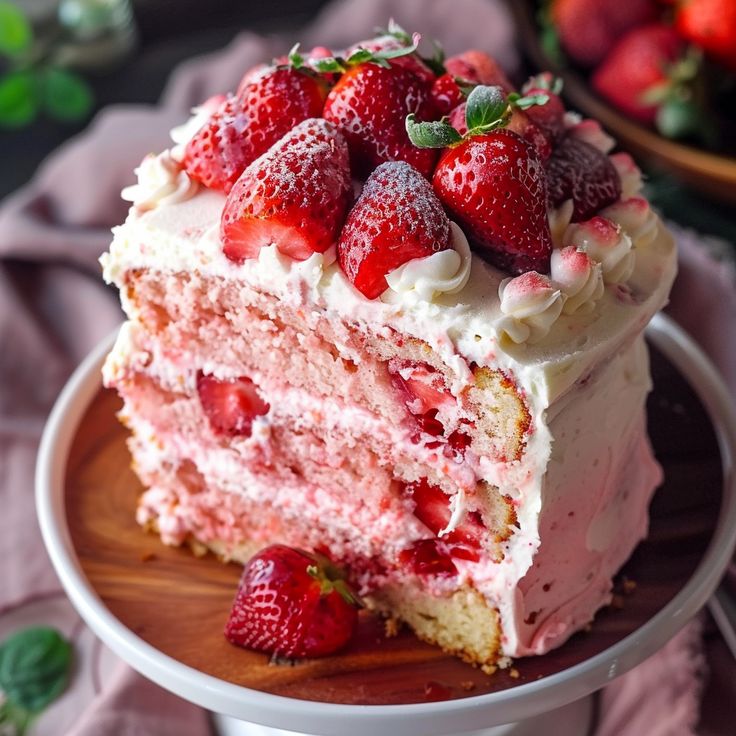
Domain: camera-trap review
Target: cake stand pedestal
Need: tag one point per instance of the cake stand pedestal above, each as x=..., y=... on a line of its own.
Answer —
x=162, y=610
x=574, y=719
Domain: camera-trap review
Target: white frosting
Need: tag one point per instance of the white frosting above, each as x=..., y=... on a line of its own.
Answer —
x=559, y=219
x=578, y=277
x=607, y=244
x=629, y=173
x=592, y=133
x=161, y=181
x=635, y=217
x=531, y=304
x=423, y=279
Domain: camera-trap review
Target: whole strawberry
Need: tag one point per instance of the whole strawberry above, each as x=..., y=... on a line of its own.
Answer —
x=295, y=196
x=711, y=25
x=578, y=171
x=369, y=104
x=269, y=103
x=588, y=29
x=492, y=182
x=230, y=405
x=291, y=603
x=397, y=218
x=636, y=66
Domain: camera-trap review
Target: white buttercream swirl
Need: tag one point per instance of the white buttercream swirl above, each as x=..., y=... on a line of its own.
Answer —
x=423, y=279
x=606, y=243
x=636, y=218
x=578, y=277
x=182, y=134
x=531, y=305
x=591, y=132
x=161, y=181
x=629, y=173
x=559, y=219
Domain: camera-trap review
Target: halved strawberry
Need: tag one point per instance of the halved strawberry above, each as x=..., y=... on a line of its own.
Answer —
x=270, y=102
x=230, y=406
x=428, y=557
x=397, y=218
x=578, y=171
x=291, y=603
x=422, y=386
x=432, y=508
x=295, y=196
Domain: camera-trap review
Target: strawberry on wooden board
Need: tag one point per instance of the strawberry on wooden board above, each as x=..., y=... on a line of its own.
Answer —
x=230, y=406
x=578, y=171
x=588, y=29
x=396, y=218
x=492, y=181
x=369, y=104
x=636, y=65
x=291, y=603
x=711, y=25
x=270, y=102
x=295, y=196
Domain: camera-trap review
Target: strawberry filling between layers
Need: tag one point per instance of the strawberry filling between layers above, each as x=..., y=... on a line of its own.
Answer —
x=364, y=480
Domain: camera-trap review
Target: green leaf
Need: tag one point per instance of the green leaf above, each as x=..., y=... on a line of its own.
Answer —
x=395, y=53
x=395, y=30
x=295, y=58
x=435, y=134
x=34, y=667
x=437, y=61
x=657, y=93
x=485, y=107
x=328, y=64
x=677, y=118
x=18, y=99
x=15, y=31
x=360, y=56
x=66, y=96
x=527, y=101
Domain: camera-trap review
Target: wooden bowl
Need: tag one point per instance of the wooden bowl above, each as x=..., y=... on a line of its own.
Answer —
x=702, y=170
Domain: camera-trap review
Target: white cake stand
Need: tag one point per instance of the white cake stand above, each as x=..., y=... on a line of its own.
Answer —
x=554, y=705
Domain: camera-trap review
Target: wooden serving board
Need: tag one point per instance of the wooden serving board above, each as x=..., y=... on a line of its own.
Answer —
x=179, y=603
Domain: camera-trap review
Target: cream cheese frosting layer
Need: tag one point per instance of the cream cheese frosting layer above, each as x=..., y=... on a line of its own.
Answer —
x=463, y=327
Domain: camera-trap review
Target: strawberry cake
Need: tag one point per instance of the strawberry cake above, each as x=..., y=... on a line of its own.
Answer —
x=390, y=311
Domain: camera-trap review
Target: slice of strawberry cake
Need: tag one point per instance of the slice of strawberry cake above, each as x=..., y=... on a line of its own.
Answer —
x=409, y=343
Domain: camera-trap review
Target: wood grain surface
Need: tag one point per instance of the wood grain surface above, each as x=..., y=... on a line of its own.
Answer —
x=179, y=603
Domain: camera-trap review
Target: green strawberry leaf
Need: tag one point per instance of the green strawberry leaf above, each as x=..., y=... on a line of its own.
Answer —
x=328, y=64
x=295, y=58
x=657, y=93
x=34, y=668
x=395, y=30
x=436, y=62
x=485, y=107
x=527, y=101
x=18, y=99
x=435, y=134
x=66, y=96
x=15, y=31
x=677, y=118
x=360, y=56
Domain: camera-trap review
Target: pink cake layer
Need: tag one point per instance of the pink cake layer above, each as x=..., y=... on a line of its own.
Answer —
x=321, y=469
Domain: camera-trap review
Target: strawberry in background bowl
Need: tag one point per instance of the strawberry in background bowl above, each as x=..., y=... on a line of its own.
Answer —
x=660, y=74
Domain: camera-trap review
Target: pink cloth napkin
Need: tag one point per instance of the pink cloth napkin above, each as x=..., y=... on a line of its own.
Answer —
x=54, y=308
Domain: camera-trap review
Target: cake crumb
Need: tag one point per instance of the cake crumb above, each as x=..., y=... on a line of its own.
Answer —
x=198, y=549
x=629, y=586
x=504, y=662
x=513, y=672
x=467, y=685
x=391, y=627
x=489, y=669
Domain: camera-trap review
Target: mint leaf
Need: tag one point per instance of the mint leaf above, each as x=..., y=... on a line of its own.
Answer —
x=295, y=58
x=66, y=96
x=527, y=101
x=18, y=99
x=15, y=31
x=435, y=134
x=34, y=667
x=328, y=64
x=485, y=107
